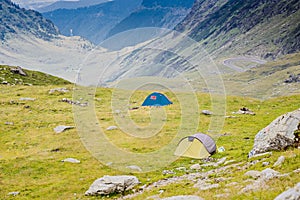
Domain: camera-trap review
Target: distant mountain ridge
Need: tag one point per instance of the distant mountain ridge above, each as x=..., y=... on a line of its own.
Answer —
x=70, y=5
x=16, y=20
x=93, y=22
x=155, y=13
x=260, y=27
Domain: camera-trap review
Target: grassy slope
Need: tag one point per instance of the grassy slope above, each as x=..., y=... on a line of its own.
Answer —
x=30, y=162
x=267, y=80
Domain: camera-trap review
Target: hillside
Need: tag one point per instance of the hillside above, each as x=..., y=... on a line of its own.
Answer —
x=155, y=13
x=16, y=20
x=70, y=5
x=236, y=27
x=31, y=153
x=10, y=75
x=93, y=22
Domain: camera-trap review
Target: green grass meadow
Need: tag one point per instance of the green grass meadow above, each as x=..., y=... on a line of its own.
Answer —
x=31, y=152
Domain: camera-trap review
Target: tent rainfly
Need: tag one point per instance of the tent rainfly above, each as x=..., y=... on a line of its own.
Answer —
x=156, y=99
x=197, y=146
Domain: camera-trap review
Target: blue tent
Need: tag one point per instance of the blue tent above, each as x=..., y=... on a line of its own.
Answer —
x=156, y=99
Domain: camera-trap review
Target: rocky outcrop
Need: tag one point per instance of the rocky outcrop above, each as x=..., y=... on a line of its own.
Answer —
x=293, y=79
x=18, y=70
x=112, y=184
x=278, y=135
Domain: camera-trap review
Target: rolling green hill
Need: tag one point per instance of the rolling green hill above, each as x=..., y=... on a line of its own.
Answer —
x=7, y=76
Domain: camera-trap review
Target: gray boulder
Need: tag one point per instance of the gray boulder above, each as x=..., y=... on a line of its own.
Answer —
x=278, y=135
x=112, y=184
x=290, y=194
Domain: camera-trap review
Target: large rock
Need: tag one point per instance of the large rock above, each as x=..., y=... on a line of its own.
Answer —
x=278, y=135
x=290, y=194
x=112, y=184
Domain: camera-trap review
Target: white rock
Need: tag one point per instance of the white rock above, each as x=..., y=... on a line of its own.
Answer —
x=27, y=99
x=206, y=112
x=195, y=167
x=71, y=160
x=60, y=90
x=13, y=193
x=112, y=184
x=278, y=135
x=110, y=128
x=279, y=161
x=62, y=128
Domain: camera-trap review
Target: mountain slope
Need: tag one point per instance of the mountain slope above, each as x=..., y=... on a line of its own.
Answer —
x=155, y=13
x=16, y=20
x=259, y=27
x=92, y=22
x=70, y=5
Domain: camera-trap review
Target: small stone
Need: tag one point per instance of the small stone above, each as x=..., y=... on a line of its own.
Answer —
x=165, y=172
x=181, y=168
x=13, y=193
x=279, y=161
x=62, y=128
x=110, y=128
x=9, y=123
x=195, y=167
x=221, y=160
x=265, y=164
x=229, y=162
x=297, y=170
x=71, y=160
x=27, y=99
x=59, y=90
x=206, y=112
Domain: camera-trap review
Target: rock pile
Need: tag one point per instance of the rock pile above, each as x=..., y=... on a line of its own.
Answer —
x=293, y=79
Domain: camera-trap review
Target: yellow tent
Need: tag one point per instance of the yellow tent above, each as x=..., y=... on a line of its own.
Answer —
x=197, y=146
